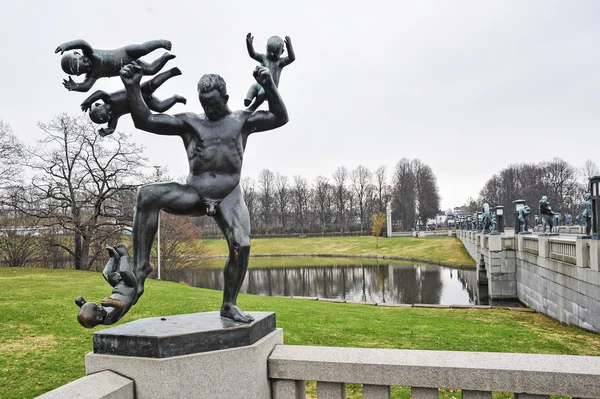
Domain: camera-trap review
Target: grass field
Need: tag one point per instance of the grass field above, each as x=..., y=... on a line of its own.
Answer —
x=42, y=346
x=437, y=249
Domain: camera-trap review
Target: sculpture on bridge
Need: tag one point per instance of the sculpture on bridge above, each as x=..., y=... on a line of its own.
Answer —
x=524, y=219
x=586, y=214
x=569, y=219
x=546, y=214
x=486, y=219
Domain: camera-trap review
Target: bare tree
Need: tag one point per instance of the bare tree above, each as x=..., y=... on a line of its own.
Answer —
x=589, y=169
x=404, y=198
x=283, y=196
x=428, y=198
x=266, y=186
x=362, y=187
x=249, y=192
x=177, y=250
x=76, y=182
x=11, y=155
x=382, y=188
x=323, y=201
x=301, y=197
x=340, y=177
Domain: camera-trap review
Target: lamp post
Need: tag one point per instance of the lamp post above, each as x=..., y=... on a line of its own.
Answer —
x=595, y=198
x=500, y=219
x=157, y=167
x=520, y=203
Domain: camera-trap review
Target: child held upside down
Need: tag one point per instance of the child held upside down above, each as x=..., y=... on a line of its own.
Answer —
x=119, y=274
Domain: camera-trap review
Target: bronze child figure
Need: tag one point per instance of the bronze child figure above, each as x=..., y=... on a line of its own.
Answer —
x=116, y=104
x=120, y=275
x=107, y=63
x=272, y=60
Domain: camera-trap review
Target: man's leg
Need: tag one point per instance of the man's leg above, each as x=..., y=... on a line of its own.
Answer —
x=140, y=50
x=234, y=220
x=174, y=198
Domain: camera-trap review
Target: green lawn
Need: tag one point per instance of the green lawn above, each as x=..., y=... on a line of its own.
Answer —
x=448, y=250
x=42, y=346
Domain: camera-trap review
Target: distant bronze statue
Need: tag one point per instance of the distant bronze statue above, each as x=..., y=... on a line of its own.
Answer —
x=119, y=273
x=107, y=63
x=215, y=143
x=272, y=60
x=586, y=214
x=524, y=219
x=486, y=219
x=116, y=104
x=546, y=214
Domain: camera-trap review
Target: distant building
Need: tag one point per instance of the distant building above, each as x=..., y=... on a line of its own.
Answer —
x=440, y=219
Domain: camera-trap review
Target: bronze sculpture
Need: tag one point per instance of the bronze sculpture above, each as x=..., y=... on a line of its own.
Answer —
x=97, y=64
x=119, y=273
x=586, y=214
x=215, y=143
x=546, y=213
x=116, y=104
x=272, y=60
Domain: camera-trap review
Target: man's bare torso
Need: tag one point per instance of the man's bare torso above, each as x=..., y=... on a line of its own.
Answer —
x=215, y=151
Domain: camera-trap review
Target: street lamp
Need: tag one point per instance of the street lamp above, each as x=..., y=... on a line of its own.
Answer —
x=595, y=191
x=500, y=219
x=157, y=167
x=519, y=204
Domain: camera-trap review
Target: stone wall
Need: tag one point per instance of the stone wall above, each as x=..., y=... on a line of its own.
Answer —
x=565, y=292
x=562, y=286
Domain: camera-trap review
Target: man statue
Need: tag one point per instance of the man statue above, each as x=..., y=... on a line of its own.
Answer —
x=524, y=219
x=486, y=219
x=215, y=142
x=546, y=214
x=586, y=214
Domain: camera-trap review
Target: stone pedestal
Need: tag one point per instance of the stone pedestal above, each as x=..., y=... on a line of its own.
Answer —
x=189, y=356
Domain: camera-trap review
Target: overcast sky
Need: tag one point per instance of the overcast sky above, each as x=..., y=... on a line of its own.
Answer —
x=468, y=87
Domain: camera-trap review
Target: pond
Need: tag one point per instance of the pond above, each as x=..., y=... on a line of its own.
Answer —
x=348, y=279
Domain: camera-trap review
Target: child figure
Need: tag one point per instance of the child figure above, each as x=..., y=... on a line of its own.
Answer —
x=116, y=104
x=107, y=63
x=120, y=275
x=270, y=60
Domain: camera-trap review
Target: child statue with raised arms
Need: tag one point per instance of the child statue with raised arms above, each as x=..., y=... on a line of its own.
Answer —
x=272, y=60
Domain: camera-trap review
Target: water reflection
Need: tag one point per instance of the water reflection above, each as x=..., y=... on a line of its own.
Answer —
x=383, y=283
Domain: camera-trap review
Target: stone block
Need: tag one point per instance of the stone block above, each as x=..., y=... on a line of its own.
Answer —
x=208, y=373
x=582, y=252
x=102, y=385
x=495, y=243
x=595, y=255
x=508, y=266
x=506, y=372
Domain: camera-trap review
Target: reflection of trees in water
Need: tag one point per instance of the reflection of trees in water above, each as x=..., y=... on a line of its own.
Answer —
x=381, y=283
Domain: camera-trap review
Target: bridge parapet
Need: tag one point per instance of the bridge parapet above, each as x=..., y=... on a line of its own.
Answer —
x=557, y=276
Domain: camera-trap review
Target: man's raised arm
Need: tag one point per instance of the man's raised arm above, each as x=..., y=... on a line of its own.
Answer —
x=277, y=115
x=143, y=119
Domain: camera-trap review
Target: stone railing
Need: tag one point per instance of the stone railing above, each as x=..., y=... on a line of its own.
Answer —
x=531, y=245
x=477, y=374
x=563, y=250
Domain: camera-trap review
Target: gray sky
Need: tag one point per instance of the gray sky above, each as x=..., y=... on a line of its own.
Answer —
x=466, y=86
